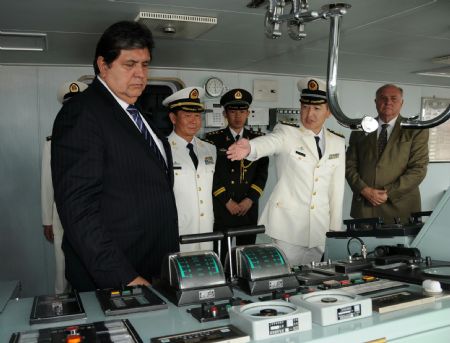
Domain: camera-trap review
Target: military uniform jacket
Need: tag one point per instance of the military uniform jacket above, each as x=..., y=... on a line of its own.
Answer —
x=306, y=201
x=48, y=206
x=193, y=189
x=236, y=180
x=400, y=169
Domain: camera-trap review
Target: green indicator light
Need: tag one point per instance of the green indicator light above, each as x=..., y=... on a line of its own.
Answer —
x=281, y=257
x=180, y=267
x=252, y=266
x=215, y=265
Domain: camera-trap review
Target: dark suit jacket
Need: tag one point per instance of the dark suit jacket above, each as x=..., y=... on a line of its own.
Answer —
x=236, y=180
x=114, y=197
x=400, y=169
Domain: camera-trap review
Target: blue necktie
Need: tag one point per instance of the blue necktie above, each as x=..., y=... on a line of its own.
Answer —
x=143, y=129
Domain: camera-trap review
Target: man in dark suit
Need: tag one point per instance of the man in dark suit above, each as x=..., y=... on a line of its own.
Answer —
x=112, y=172
x=385, y=168
x=237, y=185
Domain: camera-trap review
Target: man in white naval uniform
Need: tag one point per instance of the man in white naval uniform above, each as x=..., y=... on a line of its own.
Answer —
x=193, y=163
x=53, y=230
x=310, y=161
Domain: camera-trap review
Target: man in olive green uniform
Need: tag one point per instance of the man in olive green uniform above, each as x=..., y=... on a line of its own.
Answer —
x=238, y=185
x=384, y=168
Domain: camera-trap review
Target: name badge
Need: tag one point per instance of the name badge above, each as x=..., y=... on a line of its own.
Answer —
x=176, y=166
x=300, y=153
x=209, y=160
x=333, y=156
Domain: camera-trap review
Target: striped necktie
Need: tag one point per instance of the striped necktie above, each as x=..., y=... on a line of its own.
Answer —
x=382, y=139
x=134, y=112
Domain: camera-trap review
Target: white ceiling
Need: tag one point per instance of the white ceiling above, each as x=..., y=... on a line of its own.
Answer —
x=381, y=40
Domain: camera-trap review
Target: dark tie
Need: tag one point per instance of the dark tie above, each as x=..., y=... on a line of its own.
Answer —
x=382, y=139
x=319, y=151
x=192, y=154
x=143, y=129
x=237, y=137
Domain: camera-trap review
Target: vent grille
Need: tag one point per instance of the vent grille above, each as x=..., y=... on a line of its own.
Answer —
x=176, y=25
x=23, y=41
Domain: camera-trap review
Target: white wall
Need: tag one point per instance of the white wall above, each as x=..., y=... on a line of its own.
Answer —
x=29, y=106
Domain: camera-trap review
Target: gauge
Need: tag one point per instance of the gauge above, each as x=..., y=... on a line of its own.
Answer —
x=214, y=87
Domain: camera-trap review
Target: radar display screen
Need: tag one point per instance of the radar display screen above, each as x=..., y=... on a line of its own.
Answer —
x=262, y=261
x=199, y=270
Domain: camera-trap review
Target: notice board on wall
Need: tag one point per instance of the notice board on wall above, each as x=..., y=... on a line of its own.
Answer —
x=439, y=142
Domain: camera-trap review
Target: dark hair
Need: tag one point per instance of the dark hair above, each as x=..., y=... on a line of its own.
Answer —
x=123, y=35
x=388, y=85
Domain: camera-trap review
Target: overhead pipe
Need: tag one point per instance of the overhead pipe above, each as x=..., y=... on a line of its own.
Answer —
x=296, y=19
x=414, y=123
x=367, y=123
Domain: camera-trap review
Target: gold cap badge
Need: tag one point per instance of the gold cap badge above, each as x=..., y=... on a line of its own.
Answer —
x=313, y=85
x=194, y=94
x=74, y=88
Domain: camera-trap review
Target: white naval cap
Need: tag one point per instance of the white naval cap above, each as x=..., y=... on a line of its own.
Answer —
x=187, y=99
x=312, y=90
x=69, y=89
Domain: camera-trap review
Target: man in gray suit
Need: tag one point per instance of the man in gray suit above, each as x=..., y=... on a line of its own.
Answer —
x=384, y=168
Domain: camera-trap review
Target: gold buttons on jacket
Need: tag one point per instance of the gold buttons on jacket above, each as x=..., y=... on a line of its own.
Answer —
x=312, y=207
x=202, y=214
x=201, y=201
x=316, y=179
x=199, y=189
x=314, y=193
x=232, y=182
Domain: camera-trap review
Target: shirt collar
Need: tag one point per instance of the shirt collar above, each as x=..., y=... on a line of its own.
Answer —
x=182, y=141
x=122, y=103
x=320, y=134
x=390, y=123
x=234, y=133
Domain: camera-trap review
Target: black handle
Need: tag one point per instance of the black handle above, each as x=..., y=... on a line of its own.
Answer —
x=201, y=237
x=359, y=223
x=244, y=230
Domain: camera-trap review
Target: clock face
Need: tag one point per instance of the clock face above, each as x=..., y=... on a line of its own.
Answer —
x=214, y=87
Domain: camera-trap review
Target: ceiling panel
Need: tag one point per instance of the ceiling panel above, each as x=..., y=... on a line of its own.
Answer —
x=380, y=39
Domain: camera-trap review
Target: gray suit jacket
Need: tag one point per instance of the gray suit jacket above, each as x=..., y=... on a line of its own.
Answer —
x=400, y=169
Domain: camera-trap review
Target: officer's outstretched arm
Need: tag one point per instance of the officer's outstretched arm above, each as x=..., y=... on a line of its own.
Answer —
x=239, y=150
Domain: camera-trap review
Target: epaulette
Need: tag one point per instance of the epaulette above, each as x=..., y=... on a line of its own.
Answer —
x=48, y=138
x=258, y=133
x=205, y=139
x=337, y=134
x=289, y=123
x=212, y=133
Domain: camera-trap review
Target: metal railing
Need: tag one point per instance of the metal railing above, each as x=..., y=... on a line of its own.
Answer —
x=298, y=16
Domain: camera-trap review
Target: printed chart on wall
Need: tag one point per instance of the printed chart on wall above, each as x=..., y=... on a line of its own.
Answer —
x=439, y=143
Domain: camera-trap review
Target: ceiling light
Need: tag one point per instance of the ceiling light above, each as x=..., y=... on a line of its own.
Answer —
x=23, y=41
x=441, y=59
x=439, y=72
